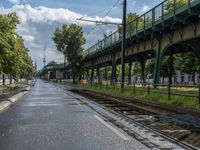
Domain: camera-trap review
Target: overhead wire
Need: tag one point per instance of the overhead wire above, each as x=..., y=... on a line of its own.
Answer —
x=95, y=13
x=115, y=4
x=111, y=9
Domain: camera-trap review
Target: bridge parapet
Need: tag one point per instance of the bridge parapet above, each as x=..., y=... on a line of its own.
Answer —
x=155, y=20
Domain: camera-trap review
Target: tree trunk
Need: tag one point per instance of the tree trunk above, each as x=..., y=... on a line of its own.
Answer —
x=4, y=79
x=170, y=68
x=81, y=74
x=106, y=74
x=17, y=78
x=74, y=74
x=73, y=78
x=10, y=79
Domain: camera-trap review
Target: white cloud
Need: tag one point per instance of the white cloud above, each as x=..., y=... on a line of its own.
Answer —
x=145, y=8
x=37, y=25
x=15, y=1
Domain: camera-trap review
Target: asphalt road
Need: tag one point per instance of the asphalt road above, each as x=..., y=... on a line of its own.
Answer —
x=49, y=119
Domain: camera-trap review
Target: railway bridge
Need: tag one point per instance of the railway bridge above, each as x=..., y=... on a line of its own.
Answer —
x=166, y=29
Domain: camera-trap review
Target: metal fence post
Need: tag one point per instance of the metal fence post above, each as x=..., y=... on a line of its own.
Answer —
x=134, y=87
x=169, y=91
x=199, y=94
x=189, y=10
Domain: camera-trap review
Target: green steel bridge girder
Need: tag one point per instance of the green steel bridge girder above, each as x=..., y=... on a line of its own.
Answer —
x=156, y=18
x=175, y=40
x=159, y=34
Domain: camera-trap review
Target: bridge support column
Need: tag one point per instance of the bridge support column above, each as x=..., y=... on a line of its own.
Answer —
x=113, y=73
x=92, y=75
x=106, y=74
x=129, y=73
x=98, y=75
x=142, y=66
x=87, y=74
x=157, y=64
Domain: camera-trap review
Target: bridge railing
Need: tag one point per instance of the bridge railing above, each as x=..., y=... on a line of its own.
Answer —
x=158, y=14
x=109, y=40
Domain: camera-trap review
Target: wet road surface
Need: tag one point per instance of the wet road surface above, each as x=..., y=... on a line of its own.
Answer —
x=49, y=119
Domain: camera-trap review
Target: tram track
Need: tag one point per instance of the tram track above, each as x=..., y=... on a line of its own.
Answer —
x=179, y=127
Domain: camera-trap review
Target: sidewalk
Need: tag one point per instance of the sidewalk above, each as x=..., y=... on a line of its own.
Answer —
x=11, y=94
x=9, y=91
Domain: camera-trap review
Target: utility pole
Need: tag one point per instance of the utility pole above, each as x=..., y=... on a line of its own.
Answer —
x=35, y=64
x=64, y=60
x=44, y=59
x=123, y=43
x=123, y=38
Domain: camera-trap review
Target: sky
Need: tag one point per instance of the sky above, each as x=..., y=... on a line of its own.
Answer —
x=40, y=18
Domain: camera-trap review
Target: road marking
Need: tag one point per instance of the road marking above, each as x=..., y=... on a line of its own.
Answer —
x=172, y=131
x=77, y=103
x=44, y=98
x=120, y=134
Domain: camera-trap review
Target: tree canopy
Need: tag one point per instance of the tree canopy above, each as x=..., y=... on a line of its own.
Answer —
x=14, y=58
x=170, y=5
x=69, y=40
x=187, y=63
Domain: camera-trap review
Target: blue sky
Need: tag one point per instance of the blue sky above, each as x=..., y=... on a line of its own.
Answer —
x=39, y=19
x=86, y=6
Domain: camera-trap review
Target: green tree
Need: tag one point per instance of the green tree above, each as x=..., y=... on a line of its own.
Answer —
x=69, y=40
x=187, y=63
x=136, y=69
x=8, y=24
x=132, y=24
x=164, y=69
x=14, y=58
x=150, y=65
x=178, y=4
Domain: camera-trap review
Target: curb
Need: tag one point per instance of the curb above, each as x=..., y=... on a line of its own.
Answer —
x=16, y=97
x=4, y=105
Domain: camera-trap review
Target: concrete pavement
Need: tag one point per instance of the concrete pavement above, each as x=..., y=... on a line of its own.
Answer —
x=48, y=119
